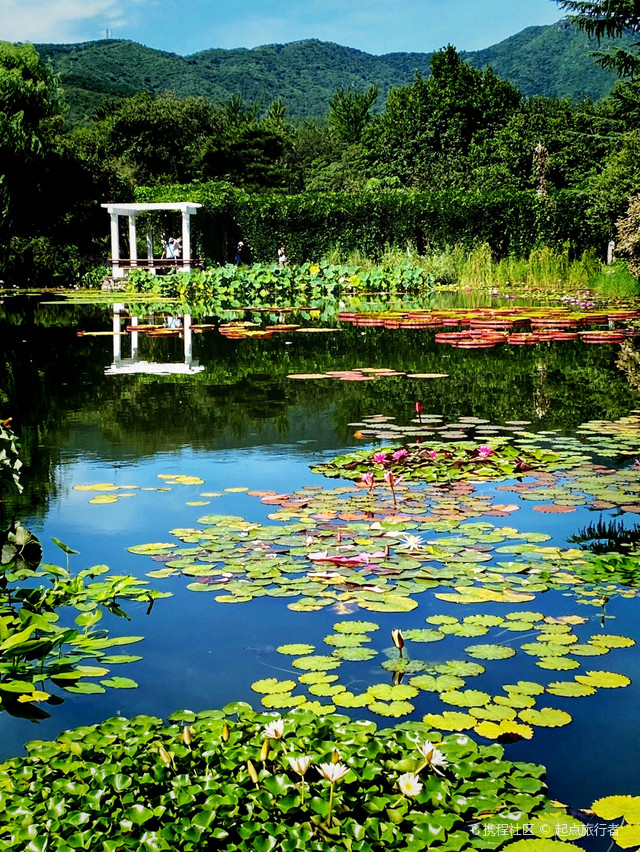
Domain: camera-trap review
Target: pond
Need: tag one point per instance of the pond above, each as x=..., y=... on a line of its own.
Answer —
x=226, y=447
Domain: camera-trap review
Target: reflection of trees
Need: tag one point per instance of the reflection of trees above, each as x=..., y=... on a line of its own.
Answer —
x=54, y=386
x=629, y=362
x=604, y=537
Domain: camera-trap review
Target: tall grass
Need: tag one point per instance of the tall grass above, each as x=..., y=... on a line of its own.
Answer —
x=544, y=269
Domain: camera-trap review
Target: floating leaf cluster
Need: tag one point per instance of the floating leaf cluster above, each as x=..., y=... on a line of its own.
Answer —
x=440, y=462
x=256, y=782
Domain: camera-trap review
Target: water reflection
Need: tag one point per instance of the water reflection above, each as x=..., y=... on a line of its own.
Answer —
x=177, y=326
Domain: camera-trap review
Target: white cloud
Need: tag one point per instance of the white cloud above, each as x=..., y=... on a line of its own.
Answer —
x=61, y=20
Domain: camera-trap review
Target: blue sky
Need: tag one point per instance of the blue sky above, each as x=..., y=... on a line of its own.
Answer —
x=187, y=26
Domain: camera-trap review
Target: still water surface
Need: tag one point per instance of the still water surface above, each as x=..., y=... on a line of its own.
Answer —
x=241, y=423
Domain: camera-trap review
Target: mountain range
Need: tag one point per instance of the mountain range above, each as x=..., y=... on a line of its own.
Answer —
x=549, y=60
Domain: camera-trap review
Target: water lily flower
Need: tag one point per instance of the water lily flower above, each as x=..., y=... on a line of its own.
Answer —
x=411, y=542
x=409, y=785
x=380, y=458
x=252, y=772
x=187, y=735
x=274, y=730
x=432, y=756
x=485, y=451
x=400, y=454
x=398, y=640
x=368, y=479
x=432, y=454
x=392, y=481
x=333, y=772
x=300, y=764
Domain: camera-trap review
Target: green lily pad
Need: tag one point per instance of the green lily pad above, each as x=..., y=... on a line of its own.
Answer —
x=296, y=649
x=490, y=652
x=272, y=685
x=546, y=717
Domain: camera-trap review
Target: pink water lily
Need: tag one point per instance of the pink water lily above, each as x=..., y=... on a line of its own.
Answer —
x=368, y=479
x=433, y=454
x=380, y=458
x=485, y=451
x=400, y=454
x=392, y=481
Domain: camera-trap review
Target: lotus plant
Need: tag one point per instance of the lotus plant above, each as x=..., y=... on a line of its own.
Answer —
x=368, y=479
x=392, y=481
x=398, y=640
x=332, y=772
x=433, y=757
x=410, y=785
x=300, y=766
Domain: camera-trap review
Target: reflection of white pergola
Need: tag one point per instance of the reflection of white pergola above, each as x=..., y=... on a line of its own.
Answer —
x=120, y=265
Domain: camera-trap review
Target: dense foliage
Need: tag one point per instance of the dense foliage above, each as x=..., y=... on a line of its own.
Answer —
x=257, y=782
x=609, y=18
x=456, y=157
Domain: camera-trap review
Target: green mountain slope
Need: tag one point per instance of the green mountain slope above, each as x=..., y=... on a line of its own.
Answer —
x=552, y=60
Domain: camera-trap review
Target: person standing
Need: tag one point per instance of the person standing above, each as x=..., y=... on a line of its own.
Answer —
x=282, y=256
x=239, y=250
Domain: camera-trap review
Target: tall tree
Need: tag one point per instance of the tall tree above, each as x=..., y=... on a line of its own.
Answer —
x=608, y=19
x=350, y=112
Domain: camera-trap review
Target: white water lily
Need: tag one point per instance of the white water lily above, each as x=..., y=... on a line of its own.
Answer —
x=274, y=730
x=432, y=756
x=299, y=764
x=409, y=784
x=411, y=542
x=333, y=771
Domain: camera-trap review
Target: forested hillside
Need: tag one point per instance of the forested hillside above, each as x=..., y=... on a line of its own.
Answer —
x=553, y=61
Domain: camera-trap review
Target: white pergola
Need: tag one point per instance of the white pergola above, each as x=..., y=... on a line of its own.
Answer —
x=131, y=211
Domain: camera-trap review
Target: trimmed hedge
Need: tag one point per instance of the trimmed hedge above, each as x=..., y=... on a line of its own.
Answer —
x=312, y=224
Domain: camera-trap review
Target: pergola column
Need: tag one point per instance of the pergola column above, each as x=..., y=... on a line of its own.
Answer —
x=186, y=241
x=115, y=246
x=133, y=246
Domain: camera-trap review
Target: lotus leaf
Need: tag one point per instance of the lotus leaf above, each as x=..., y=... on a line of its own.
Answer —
x=271, y=685
x=324, y=689
x=282, y=700
x=505, y=728
x=627, y=836
x=354, y=654
x=459, y=668
x=348, y=699
x=612, y=641
x=570, y=689
x=559, y=824
x=493, y=713
x=558, y=664
x=295, y=650
x=394, y=709
x=346, y=640
x=120, y=683
x=604, y=680
x=450, y=720
x=490, y=652
x=614, y=807
x=465, y=698
x=318, y=663
x=423, y=635
x=431, y=683
x=546, y=717
x=356, y=626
